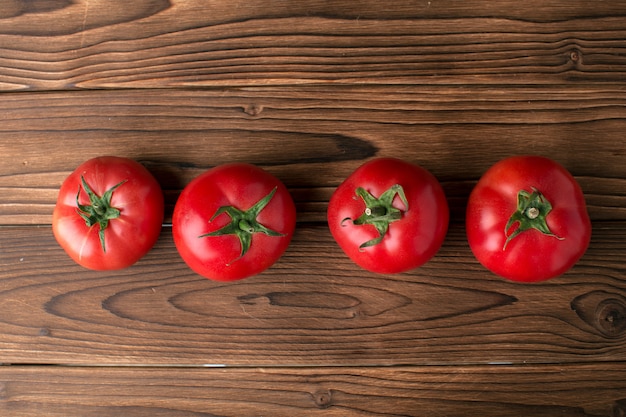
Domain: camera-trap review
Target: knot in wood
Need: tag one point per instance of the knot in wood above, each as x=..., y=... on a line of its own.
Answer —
x=323, y=398
x=253, y=109
x=576, y=57
x=604, y=311
x=611, y=317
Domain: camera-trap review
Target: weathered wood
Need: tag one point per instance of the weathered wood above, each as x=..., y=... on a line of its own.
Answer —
x=542, y=391
x=311, y=138
x=146, y=43
x=313, y=307
x=309, y=90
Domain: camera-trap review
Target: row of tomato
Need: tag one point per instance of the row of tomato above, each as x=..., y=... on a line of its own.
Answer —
x=526, y=217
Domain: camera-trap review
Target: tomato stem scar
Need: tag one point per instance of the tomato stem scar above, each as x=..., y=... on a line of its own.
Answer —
x=379, y=212
x=531, y=212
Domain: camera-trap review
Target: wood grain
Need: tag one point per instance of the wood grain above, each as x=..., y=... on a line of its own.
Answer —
x=313, y=307
x=542, y=391
x=309, y=90
x=82, y=44
x=293, y=133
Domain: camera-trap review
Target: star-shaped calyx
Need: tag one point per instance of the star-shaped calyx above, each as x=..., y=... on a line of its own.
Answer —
x=531, y=212
x=99, y=211
x=244, y=224
x=379, y=212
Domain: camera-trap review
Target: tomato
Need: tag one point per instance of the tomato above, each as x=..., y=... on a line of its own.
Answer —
x=389, y=216
x=233, y=221
x=109, y=213
x=527, y=220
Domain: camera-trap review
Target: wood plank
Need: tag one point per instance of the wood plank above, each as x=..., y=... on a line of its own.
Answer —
x=326, y=131
x=314, y=307
x=165, y=43
x=309, y=90
x=542, y=391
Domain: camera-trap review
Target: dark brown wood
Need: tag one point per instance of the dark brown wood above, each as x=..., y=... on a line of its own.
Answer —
x=83, y=44
x=543, y=391
x=313, y=307
x=309, y=90
x=456, y=133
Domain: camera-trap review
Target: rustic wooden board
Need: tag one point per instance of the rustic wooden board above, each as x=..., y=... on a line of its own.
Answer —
x=309, y=90
x=542, y=391
x=165, y=43
x=314, y=307
x=311, y=138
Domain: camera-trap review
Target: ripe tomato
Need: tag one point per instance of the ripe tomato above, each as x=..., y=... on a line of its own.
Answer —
x=233, y=221
x=389, y=216
x=527, y=220
x=108, y=213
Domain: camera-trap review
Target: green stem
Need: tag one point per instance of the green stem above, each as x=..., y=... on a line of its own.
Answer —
x=531, y=212
x=243, y=224
x=99, y=211
x=379, y=212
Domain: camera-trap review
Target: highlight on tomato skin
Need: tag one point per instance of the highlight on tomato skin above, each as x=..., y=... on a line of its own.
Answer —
x=109, y=213
x=527, y=219
x=389, y=215
x=233, y=221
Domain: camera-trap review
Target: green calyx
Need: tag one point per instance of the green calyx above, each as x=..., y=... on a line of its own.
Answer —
x=99, y=211
x=244, y=224
x=379, y=212
x=532, y=209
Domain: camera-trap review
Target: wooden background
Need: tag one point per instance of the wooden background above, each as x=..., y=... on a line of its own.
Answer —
x=309, y=90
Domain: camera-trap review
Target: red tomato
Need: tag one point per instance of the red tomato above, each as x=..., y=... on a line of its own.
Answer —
x=527, y=220
x=389, y=216
x=233, y=221
x=109, y=213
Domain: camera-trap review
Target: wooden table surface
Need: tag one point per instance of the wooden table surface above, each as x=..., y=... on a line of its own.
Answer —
x=309, y=90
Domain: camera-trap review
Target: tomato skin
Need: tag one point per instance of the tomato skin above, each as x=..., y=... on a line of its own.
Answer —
x=128, y=237
x=409, y=242
x=531, y=256
x=239, y=185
